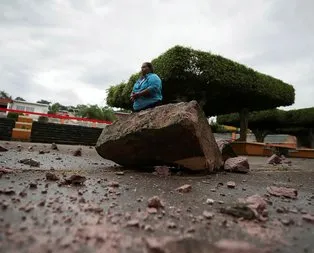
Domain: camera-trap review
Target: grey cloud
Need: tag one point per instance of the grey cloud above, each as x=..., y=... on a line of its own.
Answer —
x=94, y=44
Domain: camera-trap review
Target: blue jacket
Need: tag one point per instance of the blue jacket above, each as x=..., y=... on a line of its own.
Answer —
x=152, y=82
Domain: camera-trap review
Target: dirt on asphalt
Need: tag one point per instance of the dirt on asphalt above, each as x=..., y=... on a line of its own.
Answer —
x=83, y=203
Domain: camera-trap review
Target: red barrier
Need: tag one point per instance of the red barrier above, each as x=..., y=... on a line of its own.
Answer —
x=56, y=116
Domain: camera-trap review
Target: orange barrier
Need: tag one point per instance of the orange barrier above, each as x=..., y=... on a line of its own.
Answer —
x=302, y=153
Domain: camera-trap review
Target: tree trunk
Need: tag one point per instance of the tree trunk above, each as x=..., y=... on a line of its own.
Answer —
x=244, y=119
x=260, y=134
x=305, y=140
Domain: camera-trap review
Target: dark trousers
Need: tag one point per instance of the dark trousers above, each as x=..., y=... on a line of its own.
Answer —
x=149, y=106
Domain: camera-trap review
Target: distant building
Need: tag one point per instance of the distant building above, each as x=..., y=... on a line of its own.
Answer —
x=4, y=105
x=28, y=107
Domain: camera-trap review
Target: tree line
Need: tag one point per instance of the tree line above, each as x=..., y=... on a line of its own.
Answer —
x=80, y=110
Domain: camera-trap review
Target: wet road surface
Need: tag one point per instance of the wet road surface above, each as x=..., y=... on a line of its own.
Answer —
x=109, y=211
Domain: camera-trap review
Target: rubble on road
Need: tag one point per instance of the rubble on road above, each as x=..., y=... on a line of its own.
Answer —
x=161, y=136
x=184, y=188
x=5, y=170
x=54, y=146
x=308, y=217
x=78, y=152
x=155, y=202
x=252, y=207
x=226, y=149
x=51, y=177
x=73, y=180
x=162, y=170
x=274, y=159
x=231, y=184
x=237, y=164
x=31, y=162
x=3, y=149
x=282, y=192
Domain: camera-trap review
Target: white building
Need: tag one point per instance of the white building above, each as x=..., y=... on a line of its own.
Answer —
x=28, y=107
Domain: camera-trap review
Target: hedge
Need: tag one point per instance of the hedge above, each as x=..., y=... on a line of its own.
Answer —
x=220, y=85
x=273, y=119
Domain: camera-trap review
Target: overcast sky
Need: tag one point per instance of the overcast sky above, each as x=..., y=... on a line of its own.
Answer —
x=71, y=51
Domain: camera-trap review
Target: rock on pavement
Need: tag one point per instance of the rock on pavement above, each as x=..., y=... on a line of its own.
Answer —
x=173, y=133
x=225, y=149
x=274, y=159
x=237, y=164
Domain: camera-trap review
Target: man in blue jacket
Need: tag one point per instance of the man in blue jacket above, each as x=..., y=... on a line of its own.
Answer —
x=147, y=91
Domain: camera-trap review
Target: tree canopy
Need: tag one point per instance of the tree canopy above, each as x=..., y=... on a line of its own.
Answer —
x=43, y=101
x=20, y=99
x=220, y=85
x=274, y=121
x=4, y=94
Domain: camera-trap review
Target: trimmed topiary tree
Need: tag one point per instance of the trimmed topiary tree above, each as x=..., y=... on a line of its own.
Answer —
x=298, y=122
x=219, y=85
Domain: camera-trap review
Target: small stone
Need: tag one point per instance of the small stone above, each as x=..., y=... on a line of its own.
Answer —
x=274, y=159
x=41, y=152
x=171, y=225
x=119, y=173
x=51, y=177
x=133, y=223
x=31, y=162
x=287, y=222
x=210, y=201
x=77, y=152
x=308, y=217
x=3, y=149
x=237, y=164
x=54, y=146
x=8, y=192
x=281, y=210
x=282, y=191
x=23, y=194
x=208, y=215
x=33, y=186
x=190, y=230
x=152, y=210
x=148, y=228
x=231, y=184
x=74, y=180
x=184, y=188
x=155, y=202
x=42, y=203
x=113, y=184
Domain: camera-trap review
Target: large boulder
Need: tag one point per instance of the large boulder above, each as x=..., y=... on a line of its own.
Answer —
x=169, y=134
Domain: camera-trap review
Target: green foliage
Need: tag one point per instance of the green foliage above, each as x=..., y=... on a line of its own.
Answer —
x=4, y=94
x=43, y=101
x=220, y=85
x=13, y=115
x=20, y=99
x=267, y=119
x=96, y=112
x=273, y=119
x=43, y=119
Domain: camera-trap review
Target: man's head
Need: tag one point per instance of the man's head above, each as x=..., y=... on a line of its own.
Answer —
x=147, y=67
